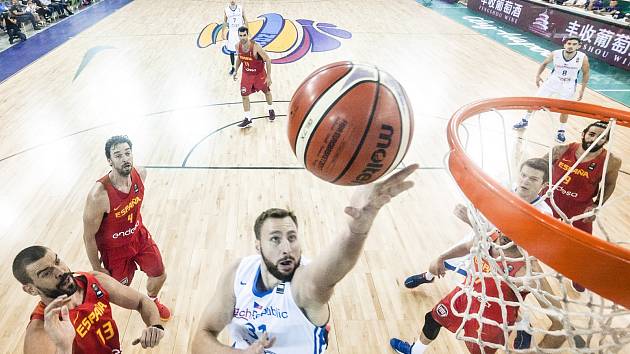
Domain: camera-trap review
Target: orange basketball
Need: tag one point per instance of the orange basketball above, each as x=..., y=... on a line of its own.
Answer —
x=350, y=123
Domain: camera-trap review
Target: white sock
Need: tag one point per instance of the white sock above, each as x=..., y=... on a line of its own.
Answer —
x=418, y=348
x=562, y=127
x=151, y=297
x=269, y=106
x=429, y=276
x=248, y=115
x=526, y=116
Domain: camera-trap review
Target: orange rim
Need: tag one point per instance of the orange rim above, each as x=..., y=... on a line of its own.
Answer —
x=596, y=264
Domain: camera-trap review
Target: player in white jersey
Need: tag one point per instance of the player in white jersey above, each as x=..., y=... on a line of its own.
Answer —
x=562, y=81
x=276, y=302
x=233, y=18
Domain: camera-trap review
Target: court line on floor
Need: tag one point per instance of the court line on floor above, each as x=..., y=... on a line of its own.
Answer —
x=218, y=130
x=54, y=140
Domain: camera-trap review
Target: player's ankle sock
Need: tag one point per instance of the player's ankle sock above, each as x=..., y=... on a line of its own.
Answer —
x=429, y=276
x=248, y=115
x=269, y=106
x=562, y=127
x=418, y=347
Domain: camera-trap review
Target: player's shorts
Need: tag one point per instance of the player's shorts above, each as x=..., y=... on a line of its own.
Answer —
x=253, y=83
x=141, y=251
x=232, y=39
x=443, y=314
x=556, y=88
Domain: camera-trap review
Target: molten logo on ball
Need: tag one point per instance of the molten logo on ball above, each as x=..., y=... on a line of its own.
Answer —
x=375, y=165
x=350, y=123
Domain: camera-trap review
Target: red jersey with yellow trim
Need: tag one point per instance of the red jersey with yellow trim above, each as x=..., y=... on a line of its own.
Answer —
x=577, y=190
x=123, y=221
x=96, y=331
x=252, y=65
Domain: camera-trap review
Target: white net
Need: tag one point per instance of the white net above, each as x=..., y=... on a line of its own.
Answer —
x=511, y=301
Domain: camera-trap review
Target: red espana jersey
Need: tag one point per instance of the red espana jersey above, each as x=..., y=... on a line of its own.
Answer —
x=92, y=320
x=124, y=219
x=578, y=189
x=251, y=64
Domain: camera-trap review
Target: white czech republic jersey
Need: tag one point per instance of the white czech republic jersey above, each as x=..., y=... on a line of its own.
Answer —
x=563, y=78
x=234, y=21
x=274, y=312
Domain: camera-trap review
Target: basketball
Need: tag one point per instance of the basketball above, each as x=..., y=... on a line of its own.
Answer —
x=350, y=123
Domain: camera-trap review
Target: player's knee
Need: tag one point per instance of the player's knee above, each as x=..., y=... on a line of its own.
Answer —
x=431, y=328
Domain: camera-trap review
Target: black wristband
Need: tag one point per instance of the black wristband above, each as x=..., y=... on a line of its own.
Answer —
x=158, y=326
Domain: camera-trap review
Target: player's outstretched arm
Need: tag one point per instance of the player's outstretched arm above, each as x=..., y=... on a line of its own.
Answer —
x=96, y=205
x=130, y=298
x=216, y=316
x=319, y=278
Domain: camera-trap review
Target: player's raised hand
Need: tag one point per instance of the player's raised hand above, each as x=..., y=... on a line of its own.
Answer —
x=61, y=332
x=150, y=337
x=259, y=346
x=461, y=212
x=367, y=201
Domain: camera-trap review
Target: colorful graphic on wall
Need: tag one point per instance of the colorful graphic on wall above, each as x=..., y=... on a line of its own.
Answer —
x=284, y=40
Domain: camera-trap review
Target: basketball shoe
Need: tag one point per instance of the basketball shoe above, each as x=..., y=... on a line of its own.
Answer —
x=400, y=346
x=246, y=123
x=272, y=115
x=560, y=136
x=417, y=280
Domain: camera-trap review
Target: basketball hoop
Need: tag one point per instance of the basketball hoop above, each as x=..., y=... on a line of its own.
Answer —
x=602, y=267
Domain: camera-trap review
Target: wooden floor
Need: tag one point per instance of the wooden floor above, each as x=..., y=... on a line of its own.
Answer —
x=158, y=87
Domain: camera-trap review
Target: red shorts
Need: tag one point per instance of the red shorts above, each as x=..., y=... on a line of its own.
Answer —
x=142, y=251
x=443, y=314
x=253, y=83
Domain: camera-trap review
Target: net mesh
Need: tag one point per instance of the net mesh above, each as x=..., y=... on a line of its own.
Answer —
x=509, y=296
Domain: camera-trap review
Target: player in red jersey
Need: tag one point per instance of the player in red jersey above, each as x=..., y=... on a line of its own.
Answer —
x=575, y=195
x=442, y=315
x=256, y=74
x=83, y=301
x=112, y=224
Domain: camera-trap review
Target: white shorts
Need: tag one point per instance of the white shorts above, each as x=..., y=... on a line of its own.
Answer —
x=558, y=89
x=232, y=39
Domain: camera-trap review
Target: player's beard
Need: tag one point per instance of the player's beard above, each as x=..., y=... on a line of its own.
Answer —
x=273, y=268
x=595, y=148
x=123, y=171
x=59, y=290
